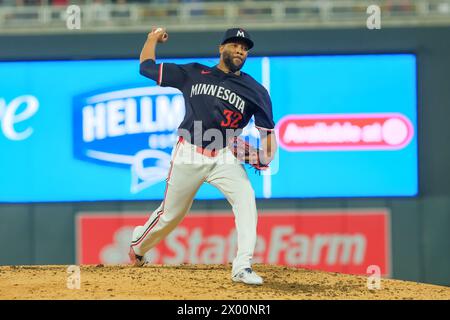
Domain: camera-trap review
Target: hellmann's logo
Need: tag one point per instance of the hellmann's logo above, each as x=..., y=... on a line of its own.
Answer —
x=132, y=128
x=340, y=132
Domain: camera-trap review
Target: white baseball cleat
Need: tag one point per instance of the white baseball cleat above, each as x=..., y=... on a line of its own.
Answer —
x=247, y=276
x=136, y=260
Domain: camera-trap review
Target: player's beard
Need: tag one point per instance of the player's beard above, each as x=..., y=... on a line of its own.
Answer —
x=228, y=60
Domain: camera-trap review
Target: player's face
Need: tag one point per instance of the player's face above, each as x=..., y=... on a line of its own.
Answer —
x=234, y=54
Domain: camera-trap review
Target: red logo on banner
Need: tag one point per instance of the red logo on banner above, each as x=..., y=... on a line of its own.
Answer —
x=385, y=131
x=336, y=241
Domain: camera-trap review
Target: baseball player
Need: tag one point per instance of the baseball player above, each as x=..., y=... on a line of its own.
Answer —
x=218, y=100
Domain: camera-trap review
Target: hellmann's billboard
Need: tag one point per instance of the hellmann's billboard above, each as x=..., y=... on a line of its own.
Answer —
x=343, y=131
x=346, y=241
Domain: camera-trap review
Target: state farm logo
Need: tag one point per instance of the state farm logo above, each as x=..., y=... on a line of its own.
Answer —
x=131, y=128
x=381, y=131
x=332, y=240
x=282, y=245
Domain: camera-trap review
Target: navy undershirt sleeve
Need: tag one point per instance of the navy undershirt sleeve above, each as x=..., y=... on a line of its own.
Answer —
x=149, y=69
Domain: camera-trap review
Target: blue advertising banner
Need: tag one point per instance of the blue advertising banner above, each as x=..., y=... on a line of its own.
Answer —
x=97, y=130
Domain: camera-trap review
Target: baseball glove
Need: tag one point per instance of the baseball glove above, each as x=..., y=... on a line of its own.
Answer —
x=246, y=153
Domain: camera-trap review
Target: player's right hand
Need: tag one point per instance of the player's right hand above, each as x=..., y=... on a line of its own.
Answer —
x=159, y=34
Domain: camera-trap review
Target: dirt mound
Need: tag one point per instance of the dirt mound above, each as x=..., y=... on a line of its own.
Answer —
x=200, y=282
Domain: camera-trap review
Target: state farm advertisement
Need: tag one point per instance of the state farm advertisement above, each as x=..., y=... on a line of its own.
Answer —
x=346, y=241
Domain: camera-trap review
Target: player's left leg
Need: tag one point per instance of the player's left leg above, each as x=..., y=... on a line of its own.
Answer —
x=233, y=182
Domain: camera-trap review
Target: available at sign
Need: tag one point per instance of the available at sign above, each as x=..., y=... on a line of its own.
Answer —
x=336, y=241
x=340, y=132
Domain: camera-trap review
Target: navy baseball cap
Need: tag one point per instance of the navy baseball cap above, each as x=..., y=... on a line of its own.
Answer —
x=237, y=34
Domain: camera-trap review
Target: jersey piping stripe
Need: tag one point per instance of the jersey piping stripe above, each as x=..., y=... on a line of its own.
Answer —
x=160, y=73
x=170, y=172
x=155, y=221
x=261, y=128
x=138, y=240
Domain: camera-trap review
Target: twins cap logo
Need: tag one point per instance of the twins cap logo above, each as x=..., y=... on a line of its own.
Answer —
x=345, y=132
x=133, y=128
x=240, y=33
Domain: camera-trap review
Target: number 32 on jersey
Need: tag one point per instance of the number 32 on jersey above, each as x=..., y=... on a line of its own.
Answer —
x=232, y=119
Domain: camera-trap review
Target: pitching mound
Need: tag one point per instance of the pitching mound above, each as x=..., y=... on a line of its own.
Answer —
x=200, y=282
